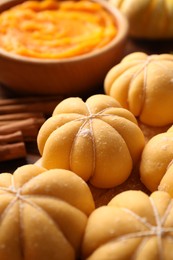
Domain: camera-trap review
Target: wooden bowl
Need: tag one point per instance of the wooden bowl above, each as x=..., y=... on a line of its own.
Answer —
x=70, y=76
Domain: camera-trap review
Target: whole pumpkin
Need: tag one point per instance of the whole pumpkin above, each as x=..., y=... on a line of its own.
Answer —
x=97, y=139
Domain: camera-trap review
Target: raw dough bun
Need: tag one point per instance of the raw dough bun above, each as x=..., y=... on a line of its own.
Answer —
x=43, y=214
x=96, y=139
x=148, y=19
x=143, y=84
x=132, y=226
x=156, y=159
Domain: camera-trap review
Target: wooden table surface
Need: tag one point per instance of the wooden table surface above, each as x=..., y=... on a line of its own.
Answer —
x=101, y=197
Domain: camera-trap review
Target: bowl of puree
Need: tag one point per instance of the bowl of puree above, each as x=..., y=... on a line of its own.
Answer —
x=59, y=47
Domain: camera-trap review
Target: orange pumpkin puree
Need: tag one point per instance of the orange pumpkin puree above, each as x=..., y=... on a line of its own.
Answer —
x=55, y=30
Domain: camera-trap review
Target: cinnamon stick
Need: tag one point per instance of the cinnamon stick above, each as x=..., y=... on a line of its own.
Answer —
x=20, y=121
x=19, y=116
x=12, y=151
x=15, y=118
x=11, y=138
x=28, y=127
x=44, y=105
x=22, y=124
x=35, y=99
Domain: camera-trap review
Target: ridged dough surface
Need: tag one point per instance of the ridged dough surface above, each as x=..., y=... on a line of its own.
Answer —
x=148, y=19
x=43, y=214
x=97, y=139
x=132, y=226
x=143, y=84
x=156, y=167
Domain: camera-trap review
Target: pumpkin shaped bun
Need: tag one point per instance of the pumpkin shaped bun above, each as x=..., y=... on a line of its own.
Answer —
x=43, y=214
x=156, y=169
x=149, y=19
x=143, y=84
x=132, y=226
x=97, y=139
